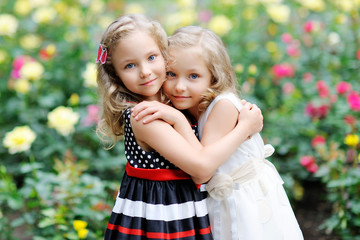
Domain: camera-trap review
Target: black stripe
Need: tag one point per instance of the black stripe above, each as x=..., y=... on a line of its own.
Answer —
x=159, y=192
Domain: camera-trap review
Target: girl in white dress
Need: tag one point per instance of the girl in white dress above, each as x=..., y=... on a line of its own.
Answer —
x=246, y=198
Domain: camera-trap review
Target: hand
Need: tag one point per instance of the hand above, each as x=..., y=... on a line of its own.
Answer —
x=251, y=118
x=148, y=111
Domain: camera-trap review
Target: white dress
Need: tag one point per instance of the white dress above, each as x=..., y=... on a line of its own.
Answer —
x=246, y=198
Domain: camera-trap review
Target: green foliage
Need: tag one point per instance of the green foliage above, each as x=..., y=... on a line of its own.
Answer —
x=291, y=59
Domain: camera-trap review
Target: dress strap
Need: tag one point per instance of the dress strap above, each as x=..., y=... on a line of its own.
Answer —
x=156, y=174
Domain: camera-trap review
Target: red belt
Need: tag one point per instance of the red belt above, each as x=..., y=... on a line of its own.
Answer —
x=156, y=174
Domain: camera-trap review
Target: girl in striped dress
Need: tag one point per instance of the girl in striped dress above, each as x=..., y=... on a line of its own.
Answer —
x=157, y=198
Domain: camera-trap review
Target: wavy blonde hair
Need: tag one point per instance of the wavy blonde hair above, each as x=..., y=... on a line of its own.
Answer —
x=215, y=56
x=114, y=97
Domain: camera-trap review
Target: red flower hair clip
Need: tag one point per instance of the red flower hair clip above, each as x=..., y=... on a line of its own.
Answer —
x=102, y=54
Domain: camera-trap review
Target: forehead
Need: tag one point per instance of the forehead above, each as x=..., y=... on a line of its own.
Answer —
x=186, y=56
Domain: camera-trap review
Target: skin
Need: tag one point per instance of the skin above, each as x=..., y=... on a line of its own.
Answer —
x=139, y=73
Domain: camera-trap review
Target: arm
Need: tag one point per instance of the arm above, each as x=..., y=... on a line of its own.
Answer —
x=202, y=163
x=149, y=111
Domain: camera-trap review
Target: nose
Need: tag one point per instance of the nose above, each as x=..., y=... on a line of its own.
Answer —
x=180, y=85
x=145, y=70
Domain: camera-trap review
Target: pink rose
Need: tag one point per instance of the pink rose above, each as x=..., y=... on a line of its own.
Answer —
x=343, y=87
x=353, y=100
x=307, y=160
x=318, y=140
x=286, y=37
x=283, y=70
x=307, y=77
x=288, y=88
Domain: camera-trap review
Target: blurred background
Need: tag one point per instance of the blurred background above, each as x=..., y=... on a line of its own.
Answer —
x=298, y=60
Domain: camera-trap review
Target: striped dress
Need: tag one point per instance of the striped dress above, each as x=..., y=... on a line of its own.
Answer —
x=156, y=199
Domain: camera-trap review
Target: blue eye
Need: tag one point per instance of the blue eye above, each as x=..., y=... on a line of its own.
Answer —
x=194, y=76
x=130, y=65
x=152, y=57
x=171, y=74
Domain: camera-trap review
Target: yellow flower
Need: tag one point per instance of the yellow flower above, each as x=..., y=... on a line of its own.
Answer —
x=82, y=233
x=352, y=140
x=19, y=139
x=74, y=16
x=271, y=47
x=227, y=2
x=90, y=75
x=22, y=85
x=8, y=24
x=74, y=99
x=32, y=70
x=249, y=14
x=44, y=15
x=272, y=29
x=341, y=19
x=186, y=3
x=63, y=119
x=359, y=157
x=3, y=56
x=134, y=8
x=187, y=17
x=346, y=5
x=79, y=224
x=97, y=6
x=220, y=24
x=239, y=68
x=314, y=5
x=252, y=69
x=279, y=13
x=22, y=7
x=39, y=3
x=30, y=41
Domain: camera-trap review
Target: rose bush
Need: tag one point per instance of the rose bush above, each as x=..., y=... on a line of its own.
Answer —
x=298, y=60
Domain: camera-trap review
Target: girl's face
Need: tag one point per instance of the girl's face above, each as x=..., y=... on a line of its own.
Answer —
x=140, y=65
x=188, y=77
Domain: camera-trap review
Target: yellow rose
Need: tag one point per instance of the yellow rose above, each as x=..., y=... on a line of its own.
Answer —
x=74, y=99
x=8, y=24
x=22, y=7
x=82, y=233
x=249, y=14
x=90, y=75
x=19, y=139
x=314, y=5
x=352, y=140
x=39, y=3
x=97, y=6
x=186, y=3
x=134, y=8
x=30, y=41
x=79, y=224
x=220, y=24
x=3, y=56
x=187, y=17
x=44, y=15
x=74, y=16
x=279, y=13
x=22, y=85
x=252, y=70
x=239, y=68
x=32, y=70
x=271, y=47
x=346, y=5
x=63, y=120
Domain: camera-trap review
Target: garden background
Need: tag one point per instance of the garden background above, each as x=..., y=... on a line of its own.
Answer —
x=298, y=60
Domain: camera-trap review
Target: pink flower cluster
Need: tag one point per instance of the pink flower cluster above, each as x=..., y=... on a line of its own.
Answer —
x=92, y=115
x=313, y=26
x=318, y=140
x=353, y=100
x=283, y=70
x=309, y=163
x=322, y=89
x=292, y=45
x=18, y=63
x=317, y=111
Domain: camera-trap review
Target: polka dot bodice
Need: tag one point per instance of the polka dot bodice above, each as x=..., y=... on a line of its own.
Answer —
x=139, y=158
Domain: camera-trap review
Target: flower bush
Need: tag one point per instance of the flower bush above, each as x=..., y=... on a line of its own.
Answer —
x=298, y=60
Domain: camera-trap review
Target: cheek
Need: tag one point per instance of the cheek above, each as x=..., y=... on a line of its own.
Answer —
x=167, y=86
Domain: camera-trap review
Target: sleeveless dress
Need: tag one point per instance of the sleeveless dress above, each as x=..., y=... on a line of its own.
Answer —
x=246, y=198
x=156, y=200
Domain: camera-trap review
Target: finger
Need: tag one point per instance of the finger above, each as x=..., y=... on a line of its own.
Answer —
x=138, y=108
x=145, y=112
x=149, y=118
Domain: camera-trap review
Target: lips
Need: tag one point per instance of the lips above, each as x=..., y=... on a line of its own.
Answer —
x=149, y=82
x=181, y=97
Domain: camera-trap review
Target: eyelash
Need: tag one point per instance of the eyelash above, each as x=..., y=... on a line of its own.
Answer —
x=131, y=65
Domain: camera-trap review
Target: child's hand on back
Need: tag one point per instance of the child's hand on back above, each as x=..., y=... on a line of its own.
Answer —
x=250, y=117
x=148, y=111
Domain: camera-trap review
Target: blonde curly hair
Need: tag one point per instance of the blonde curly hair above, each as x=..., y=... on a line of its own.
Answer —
x=215, y=56
x=114, y=97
